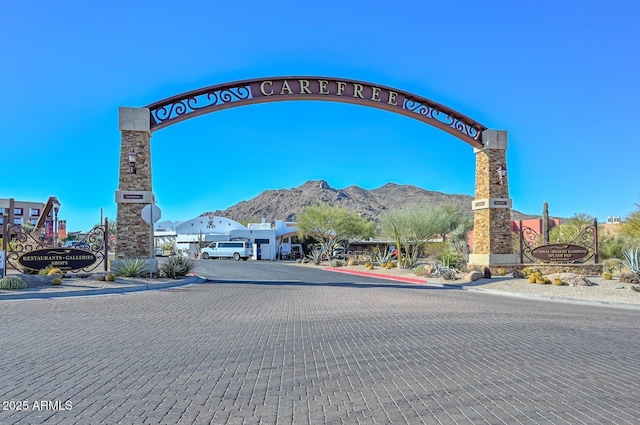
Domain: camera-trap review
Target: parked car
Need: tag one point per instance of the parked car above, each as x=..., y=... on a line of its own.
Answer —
x=228, y=249
x=159, y=252
x=78, y=245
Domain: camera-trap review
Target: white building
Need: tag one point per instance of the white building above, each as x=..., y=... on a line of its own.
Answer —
x=201, y=231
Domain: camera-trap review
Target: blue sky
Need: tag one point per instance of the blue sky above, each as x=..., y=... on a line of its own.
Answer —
x=560, y=76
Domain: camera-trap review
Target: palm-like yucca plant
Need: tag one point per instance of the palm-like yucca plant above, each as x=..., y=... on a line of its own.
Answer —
x=632, y=259
x=129, y=267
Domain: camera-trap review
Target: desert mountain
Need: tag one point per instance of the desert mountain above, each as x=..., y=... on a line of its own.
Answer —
x=285, y=204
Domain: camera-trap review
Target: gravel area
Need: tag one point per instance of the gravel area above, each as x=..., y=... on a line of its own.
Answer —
x=602, y=291
x=87, y=283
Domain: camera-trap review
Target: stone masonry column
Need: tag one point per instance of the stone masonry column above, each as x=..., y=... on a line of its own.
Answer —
x=492, y=241
x=134, y=189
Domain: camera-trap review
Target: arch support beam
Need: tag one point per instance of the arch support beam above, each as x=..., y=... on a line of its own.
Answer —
x=492, y=241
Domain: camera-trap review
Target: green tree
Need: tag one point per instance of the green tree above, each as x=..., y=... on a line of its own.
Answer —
x=631, y=225
x=567, y=230
x=413, y=229
x=611, y=246
x=452, y=222
x=333, y=227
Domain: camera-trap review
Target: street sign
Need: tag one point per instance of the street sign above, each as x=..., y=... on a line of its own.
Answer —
x=151, y=214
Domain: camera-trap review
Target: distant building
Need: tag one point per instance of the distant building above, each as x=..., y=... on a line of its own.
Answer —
x=24, y=212
x=37, y=214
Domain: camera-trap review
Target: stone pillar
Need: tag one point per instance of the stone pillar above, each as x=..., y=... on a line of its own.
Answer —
x=492, y=240
x=134, y=190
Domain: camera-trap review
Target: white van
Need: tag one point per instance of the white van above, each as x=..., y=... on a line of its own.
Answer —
x=228, y=249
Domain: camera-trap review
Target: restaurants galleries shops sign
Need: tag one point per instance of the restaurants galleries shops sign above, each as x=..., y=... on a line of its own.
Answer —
x=62, y=258
x=275, y=89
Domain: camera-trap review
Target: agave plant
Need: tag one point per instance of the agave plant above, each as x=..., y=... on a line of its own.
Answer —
x=315, y=257
x=381, y=257
x=176, y=267
x=632, y=259
x=129, y=267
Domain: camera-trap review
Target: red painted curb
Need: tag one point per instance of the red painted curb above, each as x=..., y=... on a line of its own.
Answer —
x=378, y=275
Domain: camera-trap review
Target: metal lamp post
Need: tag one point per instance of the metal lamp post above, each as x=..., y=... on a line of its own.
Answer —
x=56, y=208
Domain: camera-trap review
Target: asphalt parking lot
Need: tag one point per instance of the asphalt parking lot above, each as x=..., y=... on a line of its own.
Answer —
x=270, y=343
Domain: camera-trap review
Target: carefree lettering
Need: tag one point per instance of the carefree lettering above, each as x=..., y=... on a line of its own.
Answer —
x=329, y=88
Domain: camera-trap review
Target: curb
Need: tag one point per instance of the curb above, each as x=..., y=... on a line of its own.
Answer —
x=380, y=276
x=102, y=291
x=493, y=291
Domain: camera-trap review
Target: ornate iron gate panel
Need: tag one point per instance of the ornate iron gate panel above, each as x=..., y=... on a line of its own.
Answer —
x=587, y=240
x=21, y=242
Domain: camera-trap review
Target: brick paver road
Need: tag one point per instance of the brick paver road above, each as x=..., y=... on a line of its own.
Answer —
x=296, y=353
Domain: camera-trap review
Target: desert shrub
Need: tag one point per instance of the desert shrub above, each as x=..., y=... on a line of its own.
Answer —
x=44, y=272
x=420, y=270
x=501, y=271
x=129, y=267
x=315, y=257
x=527, y=271
x=336, y=263
x=12, y=282
x=629, y=278
x=110, y=277
x=542, y=280
x=176, y=267
x=607, y=276
x=56, y=281
x=518, y=274
x=449, y=275
x=453, y=259
x=54, y=271
x=353, y=262
x=435, y=250
x=557, y=281
x=610, y=265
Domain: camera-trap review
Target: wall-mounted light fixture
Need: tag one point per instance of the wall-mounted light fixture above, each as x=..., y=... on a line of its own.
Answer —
x=133, y=158
x=502, y=173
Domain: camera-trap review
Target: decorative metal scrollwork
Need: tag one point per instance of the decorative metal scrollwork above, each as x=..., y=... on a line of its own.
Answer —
x=22, y=242
x=189, y=103
x=213, y=98
x=530, y=240
x=446, y=117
